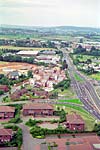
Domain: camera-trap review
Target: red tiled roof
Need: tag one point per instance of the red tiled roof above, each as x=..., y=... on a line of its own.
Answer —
x=85, y=146
x=78, y=143
x=37, y=106
x=6, y=132
x=8, y=148
x=6, y=109
x=74, y=119
x=37, y=147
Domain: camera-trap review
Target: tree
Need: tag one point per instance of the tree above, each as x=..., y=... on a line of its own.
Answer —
x=30, y=74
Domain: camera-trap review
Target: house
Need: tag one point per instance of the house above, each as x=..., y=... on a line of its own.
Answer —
x=41, y=93
x=4, y=88
x=6, y=112
x=17, y=94
x=37, y=109
x=74, y=122
x=13, y=75
x=80, y=142
x=5, y=135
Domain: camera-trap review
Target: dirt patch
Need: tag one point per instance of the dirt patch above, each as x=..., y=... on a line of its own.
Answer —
x=15, y=66
x=48, y=125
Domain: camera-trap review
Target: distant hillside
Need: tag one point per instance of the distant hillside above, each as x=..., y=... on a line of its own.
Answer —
x=53, y=29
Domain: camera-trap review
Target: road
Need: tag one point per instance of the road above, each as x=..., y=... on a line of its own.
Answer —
x=84, y=90
x=28, y=141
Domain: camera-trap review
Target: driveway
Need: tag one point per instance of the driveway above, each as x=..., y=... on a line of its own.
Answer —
x=29, y=142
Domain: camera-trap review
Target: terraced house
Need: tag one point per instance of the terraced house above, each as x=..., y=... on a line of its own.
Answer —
x=75, y=122
x=38, y=109
x=5, y=135
x=6, y=112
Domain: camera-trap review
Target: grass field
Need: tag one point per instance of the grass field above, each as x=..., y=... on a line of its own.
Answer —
x=95, y=76
x=23, y=48
x=76, y=101
x=37, y=37
x=89, y=120
x=20, y=36
x=67, y=93
x=83, y=57
x=77, y=77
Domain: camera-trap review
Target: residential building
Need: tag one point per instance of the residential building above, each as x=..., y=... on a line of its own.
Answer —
x=13, y=75
x=6, y=135
x=4, y=88
x=6, y=112
x=37, y=109
x=74, y=122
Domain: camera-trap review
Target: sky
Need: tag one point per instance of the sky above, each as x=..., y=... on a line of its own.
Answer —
x=50, y=12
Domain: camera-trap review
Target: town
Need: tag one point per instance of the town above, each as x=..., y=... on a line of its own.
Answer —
x=50, y=93
x=49, y=75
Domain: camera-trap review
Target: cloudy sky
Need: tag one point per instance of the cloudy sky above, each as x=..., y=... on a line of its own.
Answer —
x=50, y=12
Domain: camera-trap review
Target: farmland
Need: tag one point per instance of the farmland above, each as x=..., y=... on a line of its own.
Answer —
x=23, y=48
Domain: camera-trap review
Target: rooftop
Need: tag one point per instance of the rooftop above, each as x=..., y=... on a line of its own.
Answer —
x=6, y=109
x=6, y=132
x=74, y=119
x=37, y=106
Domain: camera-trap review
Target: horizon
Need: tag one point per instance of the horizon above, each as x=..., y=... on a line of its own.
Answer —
x=53, y=26
x=47, y=13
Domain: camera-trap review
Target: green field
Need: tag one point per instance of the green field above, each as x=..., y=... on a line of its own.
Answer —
x=77, y=77
x=37, y=37
x=95, y=76
x=23, y=48
x=83, y=57
x=67, y=93
x=89, y=120
x=76, y=101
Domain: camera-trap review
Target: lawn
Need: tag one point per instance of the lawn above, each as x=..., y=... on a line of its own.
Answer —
x=89, y=120
x=83, y=57
x=76, y=101
x=78, y=78
x=37, y=37
x=95, y=76
x=67, y=93
x=23, y=48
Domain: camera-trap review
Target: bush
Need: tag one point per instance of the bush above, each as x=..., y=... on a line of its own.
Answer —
x=40, y=137
x=31, y=122
x=1, y=92
x=17, y=139
x=15, y=120
x=13, y=127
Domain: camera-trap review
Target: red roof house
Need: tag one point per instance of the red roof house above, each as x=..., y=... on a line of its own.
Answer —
x=37, y=109
x=6, y=112
x=6, y=135
x=74, y=122
x=4, y=88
